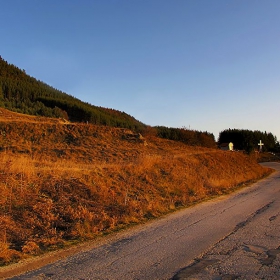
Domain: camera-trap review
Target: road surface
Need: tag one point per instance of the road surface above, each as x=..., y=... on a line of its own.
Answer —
x=231, y=237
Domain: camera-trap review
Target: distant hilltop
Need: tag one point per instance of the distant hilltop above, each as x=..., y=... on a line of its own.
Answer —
x=22, y=93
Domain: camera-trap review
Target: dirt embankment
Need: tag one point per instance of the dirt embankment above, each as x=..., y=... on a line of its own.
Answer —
x=62, y=182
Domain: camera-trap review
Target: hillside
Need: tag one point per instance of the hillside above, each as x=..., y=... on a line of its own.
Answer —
x=24, y=94
x=63, y=182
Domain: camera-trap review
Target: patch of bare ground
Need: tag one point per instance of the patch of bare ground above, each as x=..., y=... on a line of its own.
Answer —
x=62, y=183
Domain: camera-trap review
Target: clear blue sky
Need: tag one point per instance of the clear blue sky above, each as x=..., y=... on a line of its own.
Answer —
x=207, y=65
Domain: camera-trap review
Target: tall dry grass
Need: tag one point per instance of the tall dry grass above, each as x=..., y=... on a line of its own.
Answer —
x=61, y=183
x=46, y=203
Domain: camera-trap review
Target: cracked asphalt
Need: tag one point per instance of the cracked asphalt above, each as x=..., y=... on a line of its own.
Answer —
x=231, y=237
x=250, y=251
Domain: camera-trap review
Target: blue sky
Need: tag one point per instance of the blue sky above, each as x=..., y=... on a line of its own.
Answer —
x=201, y=64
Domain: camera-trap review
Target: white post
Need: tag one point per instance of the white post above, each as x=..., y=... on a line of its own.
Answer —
x=261, y=144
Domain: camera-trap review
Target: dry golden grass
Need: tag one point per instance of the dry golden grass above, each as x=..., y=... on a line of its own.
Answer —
x=63, y=182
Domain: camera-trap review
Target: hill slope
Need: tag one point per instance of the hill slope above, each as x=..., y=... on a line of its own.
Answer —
x=61, y=181
x=21, y=93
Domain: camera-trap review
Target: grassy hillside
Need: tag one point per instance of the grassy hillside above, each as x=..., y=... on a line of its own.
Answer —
x=21, y=93
x=24, y=94
x=62, y=182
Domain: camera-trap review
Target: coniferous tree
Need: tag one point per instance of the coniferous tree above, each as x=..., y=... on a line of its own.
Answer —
x=248, y=140
x=22, y=93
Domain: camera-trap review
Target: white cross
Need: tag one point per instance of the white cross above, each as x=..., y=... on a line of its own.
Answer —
x=261, y=144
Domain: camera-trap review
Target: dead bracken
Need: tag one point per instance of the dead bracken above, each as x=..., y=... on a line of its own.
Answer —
x=65, y=182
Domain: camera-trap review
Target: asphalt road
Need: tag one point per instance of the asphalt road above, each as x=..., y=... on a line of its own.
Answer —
x=232, y=237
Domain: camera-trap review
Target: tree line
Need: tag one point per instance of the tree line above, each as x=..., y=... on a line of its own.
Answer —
x=24, y=94
x=248, y=140
x=190, y=137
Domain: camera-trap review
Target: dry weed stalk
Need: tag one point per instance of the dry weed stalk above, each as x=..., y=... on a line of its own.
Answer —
x=45, y=202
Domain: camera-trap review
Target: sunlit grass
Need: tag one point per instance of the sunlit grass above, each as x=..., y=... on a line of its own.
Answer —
x=53, y=192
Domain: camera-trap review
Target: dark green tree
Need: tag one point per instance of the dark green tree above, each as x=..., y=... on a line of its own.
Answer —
x=22, y=93
x=248, y=140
